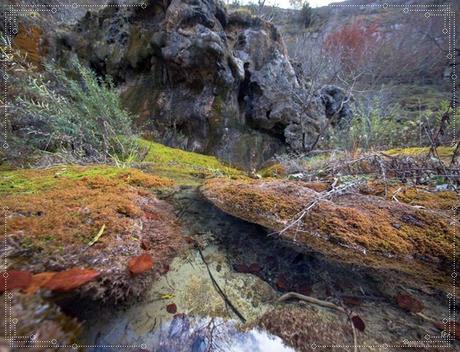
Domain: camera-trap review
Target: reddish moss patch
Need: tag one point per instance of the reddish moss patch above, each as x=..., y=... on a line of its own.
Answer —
x=352, y=228
x=54, y=215
x=413, y=195
x=301, y=327
x=318, y=186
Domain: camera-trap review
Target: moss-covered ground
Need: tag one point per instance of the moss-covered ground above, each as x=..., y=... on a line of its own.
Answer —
x=353, y=228
x=183, y=167
x=89, y=216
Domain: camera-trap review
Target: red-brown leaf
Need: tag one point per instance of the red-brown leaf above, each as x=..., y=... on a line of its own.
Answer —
x=254, y=268
x=409, y=303
x=140, y=264
x=171, y=308
x=358, y=323
x=38, y=281
x=281, y=282
x=15, y=280
x=71, y=279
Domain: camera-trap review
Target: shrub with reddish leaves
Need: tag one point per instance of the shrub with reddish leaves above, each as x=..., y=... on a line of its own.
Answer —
x=353, y=45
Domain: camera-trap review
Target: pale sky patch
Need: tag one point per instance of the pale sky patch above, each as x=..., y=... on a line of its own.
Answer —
x=285, y=3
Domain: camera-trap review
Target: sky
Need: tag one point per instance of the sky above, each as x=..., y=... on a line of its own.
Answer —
x=285, y=3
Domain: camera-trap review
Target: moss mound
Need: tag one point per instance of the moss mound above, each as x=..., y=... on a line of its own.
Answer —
x=444, y=152
x=351, y=228
x=55, y=215
x=304, y=327
x=182, y=166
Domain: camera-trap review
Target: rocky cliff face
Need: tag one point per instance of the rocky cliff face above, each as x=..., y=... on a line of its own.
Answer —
x=203, y=79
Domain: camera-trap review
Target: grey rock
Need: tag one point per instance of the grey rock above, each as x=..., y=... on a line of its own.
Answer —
x=204, y=80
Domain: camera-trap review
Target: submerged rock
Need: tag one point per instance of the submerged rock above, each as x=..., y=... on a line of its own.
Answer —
x=350, y=228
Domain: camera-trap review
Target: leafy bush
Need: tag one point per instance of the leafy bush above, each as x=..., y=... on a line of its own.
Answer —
x=75, y=112
x=377, y=129
x=353, y=44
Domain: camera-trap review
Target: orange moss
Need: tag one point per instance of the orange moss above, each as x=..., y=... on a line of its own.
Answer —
x=357, y=229
x=72, y=212
x=413, y=195
x=317, y=186
x=55, y=214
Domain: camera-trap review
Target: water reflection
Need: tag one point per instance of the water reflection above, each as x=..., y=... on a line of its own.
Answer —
x=191, y=334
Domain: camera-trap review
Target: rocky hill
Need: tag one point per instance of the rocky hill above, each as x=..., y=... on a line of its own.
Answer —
x=202, y=78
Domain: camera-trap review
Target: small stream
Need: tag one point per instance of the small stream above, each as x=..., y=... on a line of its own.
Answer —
x=183, y=310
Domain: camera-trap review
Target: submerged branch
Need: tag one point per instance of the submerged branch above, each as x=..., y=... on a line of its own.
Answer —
x=219, y=290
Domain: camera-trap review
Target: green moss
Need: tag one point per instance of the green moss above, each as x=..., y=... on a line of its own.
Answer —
x=177, y=163
x=183, y=167
x=275, y=170
x=443, y=151
x=35, y=180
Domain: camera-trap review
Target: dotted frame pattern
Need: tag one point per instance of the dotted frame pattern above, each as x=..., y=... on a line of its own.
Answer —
x=11, y=12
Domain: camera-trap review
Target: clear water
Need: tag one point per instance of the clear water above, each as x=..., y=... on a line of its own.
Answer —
x=197, y=334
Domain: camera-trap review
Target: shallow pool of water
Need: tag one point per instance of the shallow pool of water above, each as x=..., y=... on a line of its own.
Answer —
x=196, y=334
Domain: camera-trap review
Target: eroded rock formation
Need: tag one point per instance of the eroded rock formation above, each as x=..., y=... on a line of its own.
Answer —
x=203, y=79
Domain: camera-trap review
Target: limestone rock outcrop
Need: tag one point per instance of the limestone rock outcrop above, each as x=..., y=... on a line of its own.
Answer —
x=203, y=79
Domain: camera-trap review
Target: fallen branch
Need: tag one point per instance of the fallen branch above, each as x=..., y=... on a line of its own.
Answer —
x=326, y=304
x=323, y=196
x=219, y=290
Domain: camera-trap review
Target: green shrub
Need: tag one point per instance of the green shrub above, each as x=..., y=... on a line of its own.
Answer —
x=73, y=111
x=306, y=13
x=376, y=129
